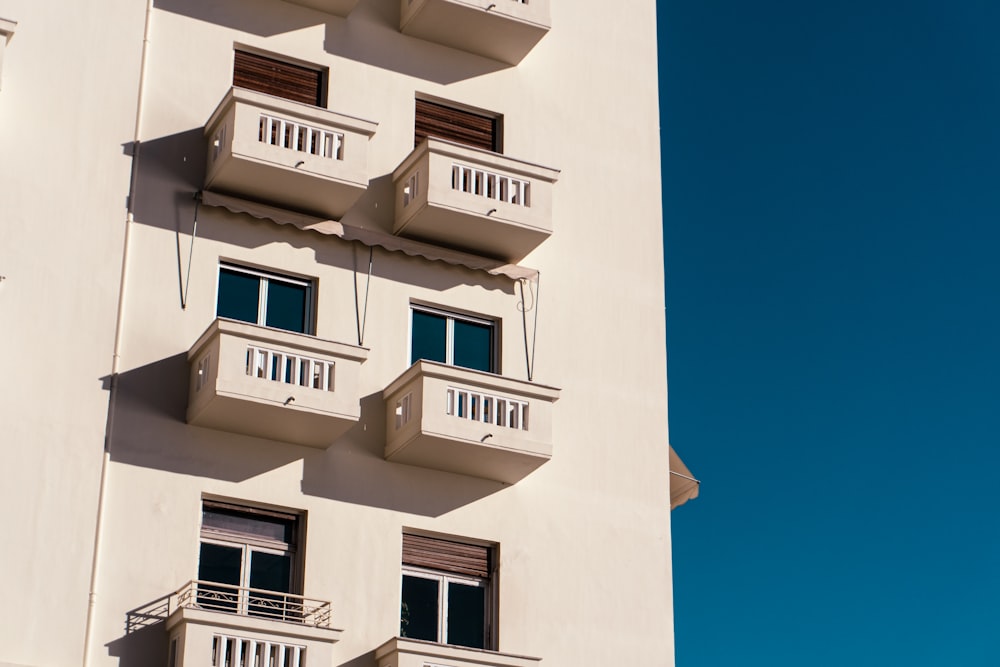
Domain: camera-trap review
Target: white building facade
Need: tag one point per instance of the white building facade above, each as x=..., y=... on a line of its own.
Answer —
x=334, y=334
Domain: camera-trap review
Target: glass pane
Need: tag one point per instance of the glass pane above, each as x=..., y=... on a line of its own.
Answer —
x=474, y=345
x=418, y=616
x=238, y=293
x=258, y=526
x=429, y=337
x=466, y=615
x=223, y=565
x=287, y=306
x=272, y=572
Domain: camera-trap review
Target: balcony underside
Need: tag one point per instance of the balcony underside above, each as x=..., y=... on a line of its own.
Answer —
x=335, y=7
x=277, y=181
x=270, y=418
x=504, y=30
x=469, y=456
x=473, y=231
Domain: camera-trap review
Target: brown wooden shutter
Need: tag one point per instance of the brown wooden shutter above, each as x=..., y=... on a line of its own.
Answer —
x=469, y=559
x=437, y=120
x=274, y=77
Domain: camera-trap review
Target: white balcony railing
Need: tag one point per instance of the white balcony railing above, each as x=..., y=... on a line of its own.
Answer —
x=294, y=369
x=473, y=199
x=284, y=133
x=487, y=408
x=489, y=185
x=230, y=651
x=286, y=153
x=468, y=422
x=274, y=384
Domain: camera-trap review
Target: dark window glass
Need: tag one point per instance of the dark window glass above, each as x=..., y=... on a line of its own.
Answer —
x=223, y=565
x=473, y=345
x=270, y=572
x=238, y=295
x=419, y=613
x=430, y=337
x=466, y=615
x=287, y=306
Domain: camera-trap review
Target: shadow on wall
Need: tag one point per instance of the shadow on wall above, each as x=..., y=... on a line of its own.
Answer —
x=365, y=660
x=354, y=470
x=150, y=430
x=370, y=35
x=143, y=647
x=170, y=172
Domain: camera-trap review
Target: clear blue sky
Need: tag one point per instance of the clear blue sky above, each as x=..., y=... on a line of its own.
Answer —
x=831, y=185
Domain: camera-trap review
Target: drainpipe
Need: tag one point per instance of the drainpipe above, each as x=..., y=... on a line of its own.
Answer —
x=116, y=356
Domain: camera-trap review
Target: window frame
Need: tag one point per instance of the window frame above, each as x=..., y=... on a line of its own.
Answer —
x=265, y=279
x=445, y=579
x=249, y=543
x=449, y=559
x=451, y=316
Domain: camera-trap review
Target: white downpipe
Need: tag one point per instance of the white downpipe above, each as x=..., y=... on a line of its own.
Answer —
x=116, y=355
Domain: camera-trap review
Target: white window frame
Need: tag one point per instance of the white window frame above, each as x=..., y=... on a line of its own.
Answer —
x=265, y=280
x=450, y=318
x=445, y=579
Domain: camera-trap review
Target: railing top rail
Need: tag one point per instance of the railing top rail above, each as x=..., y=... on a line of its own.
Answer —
x=194, y=584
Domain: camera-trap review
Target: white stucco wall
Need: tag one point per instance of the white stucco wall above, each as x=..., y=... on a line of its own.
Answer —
x=584, y=541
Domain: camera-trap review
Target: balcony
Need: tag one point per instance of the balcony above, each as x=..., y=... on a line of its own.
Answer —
x=473, y=200
x=504, y=30
x=400, y=652
x=468, y=422
x=217, y=624
x=274, y=384
x=286, y=153
x=335, y=7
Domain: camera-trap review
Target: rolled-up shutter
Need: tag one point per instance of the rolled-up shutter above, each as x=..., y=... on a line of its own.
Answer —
x=274, y=77
x=434, y=553
x=464, y=127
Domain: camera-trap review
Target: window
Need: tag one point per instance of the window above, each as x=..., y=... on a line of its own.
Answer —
x=247, y=548
x=459, y=340
x=267, y=299
x=447, y=592
x=465, y=127
x=278, y=78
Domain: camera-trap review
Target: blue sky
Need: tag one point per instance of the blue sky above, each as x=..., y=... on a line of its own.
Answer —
x=831, y=186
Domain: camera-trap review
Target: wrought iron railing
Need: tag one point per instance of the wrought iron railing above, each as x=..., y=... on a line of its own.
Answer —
x=241, y=600
x=254, y=602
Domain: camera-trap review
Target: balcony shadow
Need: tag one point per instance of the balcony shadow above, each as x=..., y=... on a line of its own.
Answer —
x=143, y=647
x=149, y=430
x=354, y=471
x=258, y=17
x=364, y=660
x=171, y=171
x=371, y=36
